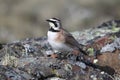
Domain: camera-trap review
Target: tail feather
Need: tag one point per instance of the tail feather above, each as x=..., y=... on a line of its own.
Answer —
x=106, y=69
x=82, y=51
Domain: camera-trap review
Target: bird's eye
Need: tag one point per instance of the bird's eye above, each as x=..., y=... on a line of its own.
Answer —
x=55, y=23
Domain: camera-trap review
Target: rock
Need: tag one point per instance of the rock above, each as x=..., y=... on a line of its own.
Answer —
x=27, y=59
x=110, y=59
x=111, y=47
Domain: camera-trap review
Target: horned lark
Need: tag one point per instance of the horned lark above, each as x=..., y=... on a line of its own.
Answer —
x=60, y=39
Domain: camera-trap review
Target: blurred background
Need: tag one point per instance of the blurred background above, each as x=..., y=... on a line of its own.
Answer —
x=20, y=19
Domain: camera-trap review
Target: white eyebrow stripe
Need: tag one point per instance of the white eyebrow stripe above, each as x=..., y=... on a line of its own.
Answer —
x=53, y=20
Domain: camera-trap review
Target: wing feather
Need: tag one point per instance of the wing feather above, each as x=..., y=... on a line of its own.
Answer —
x=70, y=41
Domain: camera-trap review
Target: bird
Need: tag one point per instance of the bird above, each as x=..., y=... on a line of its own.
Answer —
x=60, y=39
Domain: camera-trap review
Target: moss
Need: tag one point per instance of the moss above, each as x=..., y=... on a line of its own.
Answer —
x=91, y=51
x=10, y=60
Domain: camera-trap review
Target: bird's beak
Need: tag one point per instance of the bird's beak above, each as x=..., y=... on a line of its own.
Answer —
x=48, y=20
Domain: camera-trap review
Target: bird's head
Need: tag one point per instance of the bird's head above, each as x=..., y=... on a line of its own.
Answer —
x=54, y=23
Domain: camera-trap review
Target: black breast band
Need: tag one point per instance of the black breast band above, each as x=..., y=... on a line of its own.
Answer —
x=51, y=29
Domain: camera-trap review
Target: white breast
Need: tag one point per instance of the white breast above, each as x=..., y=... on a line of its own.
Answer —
x=59, y=46
x=51, y=35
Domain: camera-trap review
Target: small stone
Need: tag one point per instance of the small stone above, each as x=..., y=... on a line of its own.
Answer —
x=95, y=61
x=56, y=78
x=93, y=77
x=102, y=72
x=49, y=52
x=81, y=64
x=108, y=47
